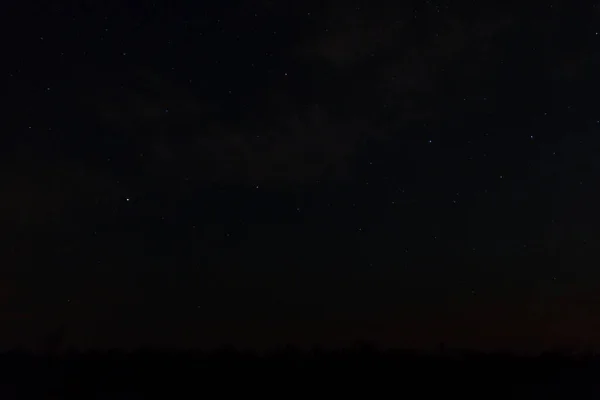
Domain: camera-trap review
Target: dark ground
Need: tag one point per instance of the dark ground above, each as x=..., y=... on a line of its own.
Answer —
x=360, y=371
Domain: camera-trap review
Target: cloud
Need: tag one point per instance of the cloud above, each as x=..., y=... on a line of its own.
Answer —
x=287, y=144
x=362, y=64
x=300, y=147
x=410, y=62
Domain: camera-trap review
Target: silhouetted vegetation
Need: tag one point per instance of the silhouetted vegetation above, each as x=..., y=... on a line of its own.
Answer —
x=361, y=370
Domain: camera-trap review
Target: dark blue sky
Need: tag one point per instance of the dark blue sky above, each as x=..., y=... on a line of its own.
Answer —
x=189, y=175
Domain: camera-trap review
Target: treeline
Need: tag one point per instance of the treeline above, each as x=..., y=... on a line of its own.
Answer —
x=147, y=373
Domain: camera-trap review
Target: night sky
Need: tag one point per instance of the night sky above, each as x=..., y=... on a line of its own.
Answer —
x=192, y=174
